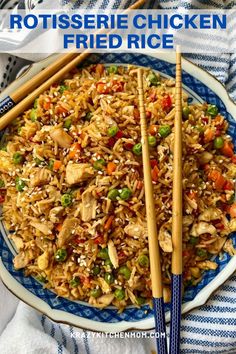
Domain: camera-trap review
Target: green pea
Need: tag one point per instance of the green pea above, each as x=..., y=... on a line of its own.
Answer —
x=125, y=271
x=41, y=279
x=231, y=199
x=143, y=260
x=119, y=294
x=201, y=253
x=186, y=112
x=152, y=141
x=125, y=194
x=212, y=110
x=36, y=103
x=67, y=124
x=19, y=130
x=137, y=149
x=164, y=130
x=18, y=158
x=96, y=270
x=153, y=79
x=2, y=184
x=50, y=164
x=61, y=255
x=108, y=263
x=33, y=115
x=112, y=131
x=75, y=282
x=99, y=164
x=96, y=292
x=193, y=241
x=20, y=184
x=63, y=88
x=66, y=200
x=218, y=142
x=113, y=69
x=88, y=116
x=38, y=161
x=109, y=278
x=3, y=147
x=113, y=194
x=103, y=253
x=140, y=300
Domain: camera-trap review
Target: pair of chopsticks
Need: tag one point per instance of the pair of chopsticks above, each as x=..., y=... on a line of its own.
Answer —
x=154, y=253
x=25, y=95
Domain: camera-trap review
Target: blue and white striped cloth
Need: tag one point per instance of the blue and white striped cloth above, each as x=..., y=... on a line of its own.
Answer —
x=209, y=329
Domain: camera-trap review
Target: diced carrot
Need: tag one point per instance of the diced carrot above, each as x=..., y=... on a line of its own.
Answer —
x=166, y=103
x=233, y=159
x=232, y=211
x=148, y=114
x=108, y=223
x=209, y=135
x=102, y=88
x=229, y=186
x=99, y=69
x=74, y=150
x=60, y=110
x=111, y=167
x=2, y=198
x=99, y=240
x=227, y=149
x=57, y=165
x=153, y=163
x=139, y=185
x=192, y=195
x=47, y=105
x=59, y=227
x=136, y=114
x=117, y=86
x=217, y=178
x=153, y=129
x=154, y=174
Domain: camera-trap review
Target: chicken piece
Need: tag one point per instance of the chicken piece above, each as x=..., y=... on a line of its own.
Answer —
x=88, y=206
x=55, y=214
x=78, y=172
x=44, y=205
x=102, y=301
x=102, y=181
x=43, y=261
x=134, y=230
x=202, y=228
x=216, y=247
x=42, y=176
x=210, y=214
x=63, y=139
x=18, y=242
x=207, y=265
x=188, y=220
x=192, y=204
x=68, y=230
x=229, y=248
x=6, y=164
x=113, y=254
x=104, y=286
x=21, y=260
x=44, y=228
x=164, y=237
x=205, y=157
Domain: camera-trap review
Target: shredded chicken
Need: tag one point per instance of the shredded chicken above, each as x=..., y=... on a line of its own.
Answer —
x=88, y=206
x=202, y=228
x=216, y=247
x=113, y=254
x=68, y=231
x=41, y=177
x=134, y=230
x=229, y=248
x=18, y=242
x=63, y=139
x=44, y=228
x=43, y=261
x=76, y=173
x=55, y=214
x=21, y=260
x=102, y=301
x=207, y=265
x=165, y=237
x=210, y=214
x=104, y=286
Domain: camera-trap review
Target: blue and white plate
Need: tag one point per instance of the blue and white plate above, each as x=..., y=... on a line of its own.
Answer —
x=200, y=87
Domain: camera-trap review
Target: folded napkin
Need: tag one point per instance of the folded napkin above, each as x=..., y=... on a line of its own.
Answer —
x=209, y=329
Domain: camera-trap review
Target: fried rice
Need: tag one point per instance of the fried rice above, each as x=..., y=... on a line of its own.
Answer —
x=72, y=189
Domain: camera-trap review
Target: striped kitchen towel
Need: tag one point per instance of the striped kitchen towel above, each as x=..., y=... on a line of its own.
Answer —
x=209, y=329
